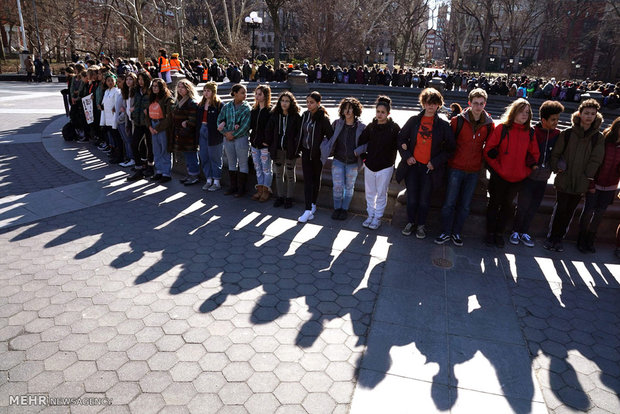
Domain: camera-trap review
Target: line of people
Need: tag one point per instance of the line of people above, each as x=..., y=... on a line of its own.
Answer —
x=143, y=123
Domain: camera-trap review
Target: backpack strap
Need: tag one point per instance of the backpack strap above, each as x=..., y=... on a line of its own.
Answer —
x=459, y=125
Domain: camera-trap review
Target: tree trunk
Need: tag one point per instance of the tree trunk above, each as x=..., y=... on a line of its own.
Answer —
x=276, y=39
x=406, y=41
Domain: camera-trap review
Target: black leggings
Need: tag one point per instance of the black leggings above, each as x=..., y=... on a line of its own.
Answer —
x=312, y=177
x=142, y=145
x=499, y=209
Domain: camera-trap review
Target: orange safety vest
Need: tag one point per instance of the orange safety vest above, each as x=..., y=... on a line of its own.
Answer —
x=164, y=65
x=175, y=64
x=205, y=75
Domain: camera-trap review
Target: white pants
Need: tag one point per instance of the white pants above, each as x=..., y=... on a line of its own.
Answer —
x=376, y=187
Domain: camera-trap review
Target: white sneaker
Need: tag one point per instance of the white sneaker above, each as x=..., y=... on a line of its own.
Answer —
x=313, y=208
x=307, y=216
x=367, y=222
x=129, y=163
x=375, y=224
x=215, y=187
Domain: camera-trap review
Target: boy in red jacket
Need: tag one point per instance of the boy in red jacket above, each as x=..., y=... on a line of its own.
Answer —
x=471, y=129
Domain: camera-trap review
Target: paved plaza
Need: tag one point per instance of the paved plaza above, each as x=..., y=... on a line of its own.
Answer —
x=138, y=297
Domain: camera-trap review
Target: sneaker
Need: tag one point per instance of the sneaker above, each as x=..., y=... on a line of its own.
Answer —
x=206, y=186
x=156, y=177
x=82, y=140
x=307, y=216
x=499, y=241
x=136, y=176
x=288, y=202
x=514, y=238
x=548, y=245
x=215, y=187
x=336, y=214
x=375, y=224
x=182, y=180
x=443, y=237
x=343, y=214
x=558, y=247
x=126, y=164
x=456, y=239
x=407, y=230
x=368, y=221
x=420, y=232
x=526, y=240
x=313, y=208
x=191, y=180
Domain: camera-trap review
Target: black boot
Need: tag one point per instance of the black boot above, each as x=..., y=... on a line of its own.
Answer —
x=279, y=202
x=582, y=244
x=242, y=178
x=138, y=175
x=233, y=183
x=590, y=242
x=288, y=202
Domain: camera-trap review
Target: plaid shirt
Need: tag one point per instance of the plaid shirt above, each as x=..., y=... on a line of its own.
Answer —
x=236, y=116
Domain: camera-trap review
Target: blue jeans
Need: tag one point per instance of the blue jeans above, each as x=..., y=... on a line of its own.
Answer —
x=210, y=156
x=530, y=197
x=191, y=162
x=122, y=129
x=461, y=187
x=237, y=154
x=419, y=186
x=343, y=179
x=162, y=158
x=262, y=165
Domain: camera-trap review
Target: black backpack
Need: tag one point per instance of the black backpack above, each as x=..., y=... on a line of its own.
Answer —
x=68, y=132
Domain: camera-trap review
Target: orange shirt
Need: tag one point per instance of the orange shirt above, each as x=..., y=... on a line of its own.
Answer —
x=155, y=111
x=422, y=150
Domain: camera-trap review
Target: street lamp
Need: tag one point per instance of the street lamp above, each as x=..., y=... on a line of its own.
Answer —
x=381, y=56
x=253, y=22
x=367, y=54
x=195, y=42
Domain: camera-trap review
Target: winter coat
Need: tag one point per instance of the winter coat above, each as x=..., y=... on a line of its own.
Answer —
x=327, y=147
x=184, y=137
x=321, y=130
x=215, y=136
x=109, y=116
x=468, y=153
x=279, y=137
x=378, y=145
x=442, y=145
x=516, y=154
x=140, y=104
x=258, y=121
x=583, y=155
x=609, y=173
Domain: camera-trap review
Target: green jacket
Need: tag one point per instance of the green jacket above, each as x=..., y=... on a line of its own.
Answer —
x=583, y=155
x=140, y=105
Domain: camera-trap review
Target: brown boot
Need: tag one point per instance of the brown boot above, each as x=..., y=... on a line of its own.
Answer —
x=259, y=193
x=266, y=194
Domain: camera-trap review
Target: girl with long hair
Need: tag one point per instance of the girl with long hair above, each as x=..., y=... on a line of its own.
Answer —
x=210, y=140
x=346, y=163
x=511, y=153
x=184, y=129
x=141, y=139
x=123, y=104
x=315, y=128
x=234, y=123
x=159, y=119
x=259, y=142
x=282, y=131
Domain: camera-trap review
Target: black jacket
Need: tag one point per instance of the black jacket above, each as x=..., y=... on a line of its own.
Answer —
x=442, y=146
x=273, y=135
x=258, y=121
x=321, y=130
x=215, y=137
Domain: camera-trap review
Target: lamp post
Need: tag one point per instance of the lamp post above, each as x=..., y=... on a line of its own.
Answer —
x=447, y=59
x=367, y=54
x=195, y=42
x=381, y=56
x=253, y=22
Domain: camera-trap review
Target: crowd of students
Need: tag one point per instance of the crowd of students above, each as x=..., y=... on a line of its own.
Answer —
x=141, y=122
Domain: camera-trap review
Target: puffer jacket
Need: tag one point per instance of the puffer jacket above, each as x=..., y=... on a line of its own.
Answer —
x=583, y=154
x=140, y=106
x=517, y=153
x=609, y=174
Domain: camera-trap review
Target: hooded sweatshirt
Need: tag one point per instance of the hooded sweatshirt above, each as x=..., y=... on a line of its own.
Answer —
x=468, y=154
x=583, y=154
x=546, y=139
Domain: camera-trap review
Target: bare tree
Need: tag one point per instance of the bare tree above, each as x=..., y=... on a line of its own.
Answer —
x=519, y=22
x=410, y=15
x=274, y=7
x=483, y=15
x=228, y=38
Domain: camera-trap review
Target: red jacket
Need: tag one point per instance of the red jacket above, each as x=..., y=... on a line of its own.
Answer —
x=609, y=173
x=516, y=154
x=468, y=154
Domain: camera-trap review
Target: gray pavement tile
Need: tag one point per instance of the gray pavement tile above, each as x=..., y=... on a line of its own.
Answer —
x=396, y=394
x=417, y=309
x=465, y=401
